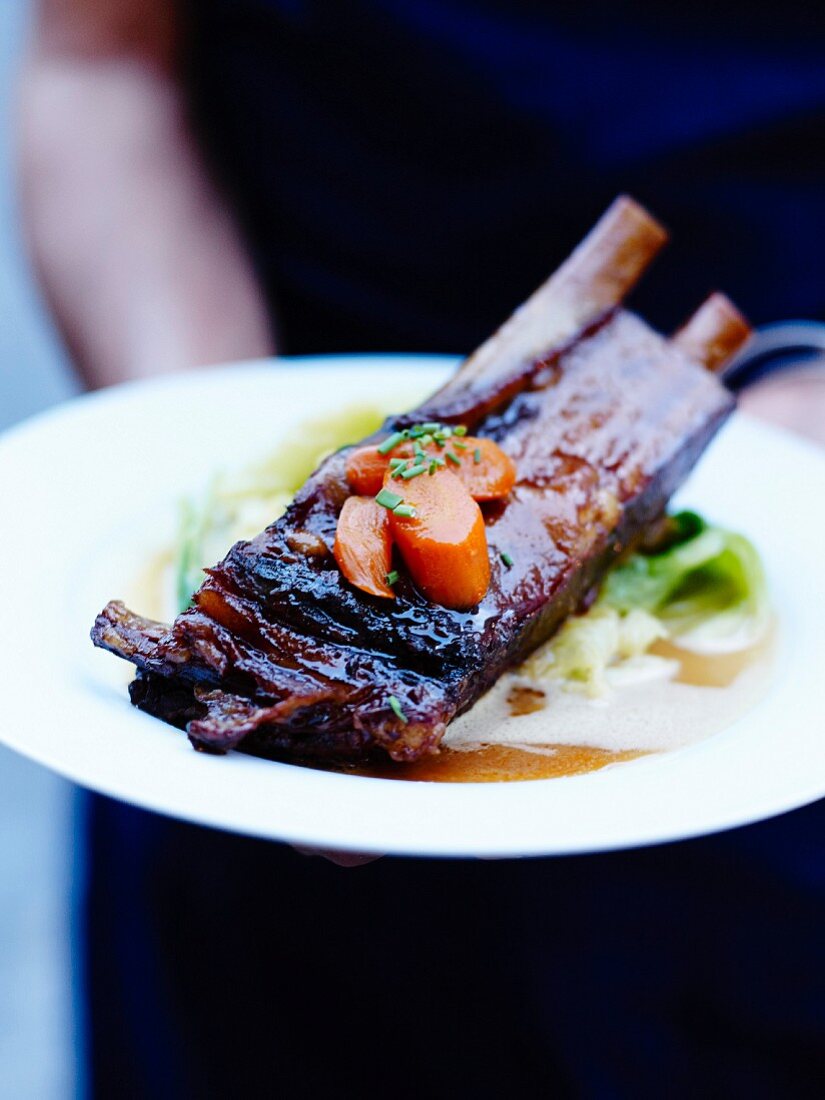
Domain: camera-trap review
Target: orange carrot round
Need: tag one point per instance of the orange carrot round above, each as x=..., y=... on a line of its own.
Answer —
x=485, y=469
x=363, y=546
x=366, y=467
x=444, y=545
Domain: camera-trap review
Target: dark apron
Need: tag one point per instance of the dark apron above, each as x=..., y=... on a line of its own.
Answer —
x=406, y=173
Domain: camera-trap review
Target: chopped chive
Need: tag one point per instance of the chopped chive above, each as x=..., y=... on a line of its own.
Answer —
x=433, y=468
x=477, y=456
x=396, y=462
x=452, y=458
x=402, y=509
x=460, y=429
x=395, y=706
x=431, y=426
x=426, y=439
x=505, y=557
x=414, y=471
x=438, y=460
x=388, y=499
x=390, y=442
x=392, y=577
x=459, y=446
x=416, y=431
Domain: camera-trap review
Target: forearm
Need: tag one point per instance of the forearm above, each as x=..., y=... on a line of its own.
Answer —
x=137, y=254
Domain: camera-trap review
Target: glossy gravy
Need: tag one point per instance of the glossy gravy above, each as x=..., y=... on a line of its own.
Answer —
x=707, y=693
x=498, y=764
x=718, y=687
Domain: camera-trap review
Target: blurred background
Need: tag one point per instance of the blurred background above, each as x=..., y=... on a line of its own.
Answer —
x=351, y=288
x=36, y=1018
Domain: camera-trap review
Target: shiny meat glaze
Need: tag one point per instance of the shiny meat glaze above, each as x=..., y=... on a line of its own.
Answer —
x=283, y=657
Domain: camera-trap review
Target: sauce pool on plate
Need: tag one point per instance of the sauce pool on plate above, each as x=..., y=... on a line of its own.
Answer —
x=524, y=730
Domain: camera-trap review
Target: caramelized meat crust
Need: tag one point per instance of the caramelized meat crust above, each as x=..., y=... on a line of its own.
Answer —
x=281, y=654
x=282, y=657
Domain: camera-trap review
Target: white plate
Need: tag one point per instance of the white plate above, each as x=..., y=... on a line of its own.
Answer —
x=90, y=490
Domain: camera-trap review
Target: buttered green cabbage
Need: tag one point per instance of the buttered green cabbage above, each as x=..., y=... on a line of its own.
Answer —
x=708, y=587
x=588, y=645
x=705, y=590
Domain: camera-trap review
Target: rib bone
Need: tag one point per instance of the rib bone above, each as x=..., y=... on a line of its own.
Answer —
x=714, y=333
x=588, y=285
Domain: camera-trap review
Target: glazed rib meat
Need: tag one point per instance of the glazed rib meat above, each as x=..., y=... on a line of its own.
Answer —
x=604, y=418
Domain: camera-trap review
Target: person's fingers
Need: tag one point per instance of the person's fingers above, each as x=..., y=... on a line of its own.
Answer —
x=341, y=859
x=794, y=399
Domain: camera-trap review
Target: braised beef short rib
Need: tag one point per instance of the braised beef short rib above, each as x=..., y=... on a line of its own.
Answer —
x=604, y=418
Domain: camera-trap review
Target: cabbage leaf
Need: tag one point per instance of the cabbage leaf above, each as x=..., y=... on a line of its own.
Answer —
x=707, y=586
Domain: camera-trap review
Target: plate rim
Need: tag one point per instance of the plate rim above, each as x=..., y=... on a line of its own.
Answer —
x=449, y=847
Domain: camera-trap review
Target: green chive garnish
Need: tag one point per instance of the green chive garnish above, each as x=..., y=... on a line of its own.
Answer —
x=392, y=577
x=414, y=471
x=402, y=509
x=477, y=456
x=396, y=709
x=433, y=468
x=452, y=458
x=388, y=499
x=508, y=561
x=416, y=431
x=396, y=462
x=390, y=442
x=460, y=429
x=399, y=470
x=431, y=426
x=459, y=446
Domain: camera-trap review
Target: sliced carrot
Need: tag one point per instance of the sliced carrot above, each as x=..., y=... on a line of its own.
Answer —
x=444, y=545
x=363, y=545
x=366, y=467
x=485, y=469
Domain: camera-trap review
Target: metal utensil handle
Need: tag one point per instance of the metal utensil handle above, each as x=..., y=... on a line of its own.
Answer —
x=777, y=347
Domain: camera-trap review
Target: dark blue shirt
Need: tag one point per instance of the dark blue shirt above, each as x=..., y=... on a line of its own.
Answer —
x=408, y=171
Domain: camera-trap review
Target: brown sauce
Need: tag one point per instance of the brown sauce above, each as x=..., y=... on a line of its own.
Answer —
x=498, y=764
x=509, y=763
x=711, y=669
x=525, y=700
